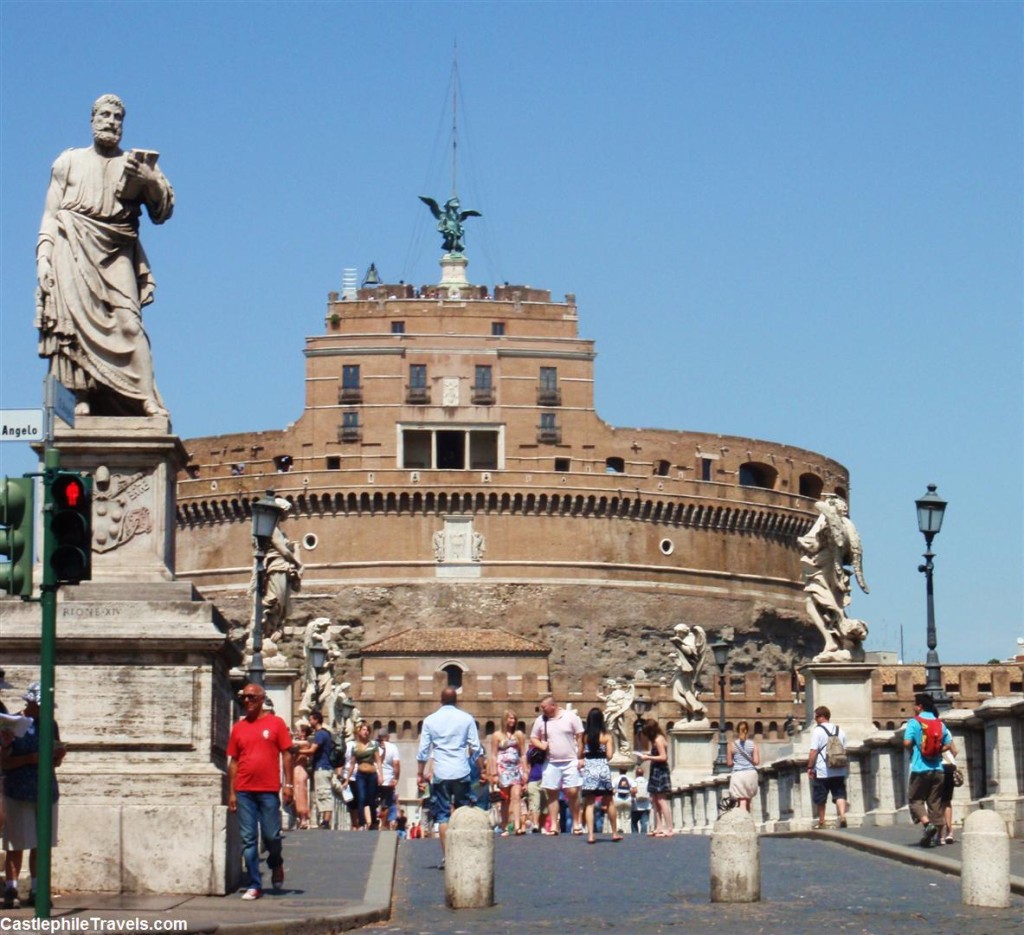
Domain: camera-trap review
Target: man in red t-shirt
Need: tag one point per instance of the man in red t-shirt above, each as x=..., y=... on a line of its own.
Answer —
x=258, y=744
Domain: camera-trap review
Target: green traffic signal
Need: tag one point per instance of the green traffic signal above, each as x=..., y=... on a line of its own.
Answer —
x=71, y=527
x=16, y=517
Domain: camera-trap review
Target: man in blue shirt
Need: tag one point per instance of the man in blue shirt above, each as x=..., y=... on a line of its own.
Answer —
x=322, y=744
x=449, y=735
x=924, y=791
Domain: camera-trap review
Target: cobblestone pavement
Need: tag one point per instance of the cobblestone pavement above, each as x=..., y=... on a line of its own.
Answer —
x=647, y=885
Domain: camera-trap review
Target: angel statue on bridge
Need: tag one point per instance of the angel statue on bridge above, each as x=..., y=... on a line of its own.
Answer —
x=831, y=550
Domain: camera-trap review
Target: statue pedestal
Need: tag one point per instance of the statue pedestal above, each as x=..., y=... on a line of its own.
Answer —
x=133, y=462
x=453, y=275
x=845, y=689
x=145, y=707
x=694, y=748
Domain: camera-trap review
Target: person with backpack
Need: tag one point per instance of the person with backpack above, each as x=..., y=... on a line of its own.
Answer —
x=828, y=766
x=927, y=738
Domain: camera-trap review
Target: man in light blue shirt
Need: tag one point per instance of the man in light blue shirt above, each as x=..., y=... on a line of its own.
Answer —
x=924, y=791
x=450, y=737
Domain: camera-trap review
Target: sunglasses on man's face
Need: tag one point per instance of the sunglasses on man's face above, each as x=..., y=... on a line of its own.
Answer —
x=251, y=697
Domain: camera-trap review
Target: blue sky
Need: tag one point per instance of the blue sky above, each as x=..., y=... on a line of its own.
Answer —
x=792, y=221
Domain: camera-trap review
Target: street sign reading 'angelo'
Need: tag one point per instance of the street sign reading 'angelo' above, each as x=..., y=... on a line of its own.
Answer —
x=21, y=425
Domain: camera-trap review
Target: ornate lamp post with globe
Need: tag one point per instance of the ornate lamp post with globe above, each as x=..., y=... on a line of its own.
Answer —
x=720, y=650
x=931, y=509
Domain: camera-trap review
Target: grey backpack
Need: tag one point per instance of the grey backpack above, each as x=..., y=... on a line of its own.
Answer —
x=835, y=752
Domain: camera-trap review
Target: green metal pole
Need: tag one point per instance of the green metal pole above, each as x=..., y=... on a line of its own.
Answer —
x=47, y=665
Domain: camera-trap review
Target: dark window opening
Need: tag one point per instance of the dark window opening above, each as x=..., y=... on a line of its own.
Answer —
x=283, y=463
x=350, y=420
x=753, y=474
x=333, y=463
x=350, y=376
x=810, y=486
x=416, y=450
x=614, y=466
x=661, y=468
x=417, y=376
x=398, y=327
x=497, y=328
x=705, y=468
x=483, y=377
x=451, y=451
x=562, y=464
x=483, y=451
x=454, y=674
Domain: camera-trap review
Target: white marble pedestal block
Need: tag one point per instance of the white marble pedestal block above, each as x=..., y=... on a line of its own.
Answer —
x=845, y=689
x=694, y=746
x=133, y=463
x=144, y=706
x=453, y=275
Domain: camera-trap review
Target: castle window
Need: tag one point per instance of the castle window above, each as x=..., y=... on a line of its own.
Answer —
x=454, y=674
x=483, y=389
x=661, y=468
x=333, y=463
x=192, y=470
x=351, y=391
x=614, y=466
x=810, y=486
x=562, y=464
x=548, y=431
x=417, y=392
x=350, y=431
x=398, y=327
x=753, y=474
x=497, y=328
x=705, y=468
x=283, y=463
x=548, y=393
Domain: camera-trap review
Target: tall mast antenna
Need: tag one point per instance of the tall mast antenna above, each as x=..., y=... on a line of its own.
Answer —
x=455, y=130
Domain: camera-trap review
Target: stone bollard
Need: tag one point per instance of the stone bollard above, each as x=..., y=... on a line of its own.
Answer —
x=985, y=868
x=735, y=859
x=469, y=862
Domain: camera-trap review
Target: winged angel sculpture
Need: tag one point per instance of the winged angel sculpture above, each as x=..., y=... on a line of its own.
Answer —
x=831, y=555
x=691, y=644
x=449, y=222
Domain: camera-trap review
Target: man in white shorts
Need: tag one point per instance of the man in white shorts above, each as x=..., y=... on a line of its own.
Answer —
x=558, y=731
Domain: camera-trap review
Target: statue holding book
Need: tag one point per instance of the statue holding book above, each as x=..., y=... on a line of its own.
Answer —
x=94, y=278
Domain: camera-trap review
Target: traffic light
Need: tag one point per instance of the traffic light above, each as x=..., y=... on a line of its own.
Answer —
x=17, y=517
x=71, y=527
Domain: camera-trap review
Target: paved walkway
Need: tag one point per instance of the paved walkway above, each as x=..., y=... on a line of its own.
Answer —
x=846, y=880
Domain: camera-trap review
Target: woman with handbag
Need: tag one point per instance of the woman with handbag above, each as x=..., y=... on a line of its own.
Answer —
x=365, y=763
x=508, y=751
x=742, y=757
x=950, y=775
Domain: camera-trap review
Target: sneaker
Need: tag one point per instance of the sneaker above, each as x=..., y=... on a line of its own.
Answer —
x=252, y=893
x=11, y=900
x=277, y=876
x=842, y=822
x=928, y=838
x=949, y=839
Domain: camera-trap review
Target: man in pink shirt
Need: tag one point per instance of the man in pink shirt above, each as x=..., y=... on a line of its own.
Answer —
x=557, y=732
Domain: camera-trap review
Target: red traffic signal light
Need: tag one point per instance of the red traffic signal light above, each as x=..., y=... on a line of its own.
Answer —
x=71, y=527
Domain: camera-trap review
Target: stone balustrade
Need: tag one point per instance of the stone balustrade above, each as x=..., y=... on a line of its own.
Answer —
x=990, y=744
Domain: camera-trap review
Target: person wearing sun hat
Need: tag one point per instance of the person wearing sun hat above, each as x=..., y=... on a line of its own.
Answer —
x=20, y=764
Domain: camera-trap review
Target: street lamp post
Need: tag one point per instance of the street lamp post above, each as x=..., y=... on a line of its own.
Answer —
x=720, y=650
x=640, y=707
x=317, y=659
x=930, y=510
x=266, y=513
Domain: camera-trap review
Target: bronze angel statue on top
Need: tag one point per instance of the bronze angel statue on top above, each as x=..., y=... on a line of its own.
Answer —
x=449, y=222
x=832, y=553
